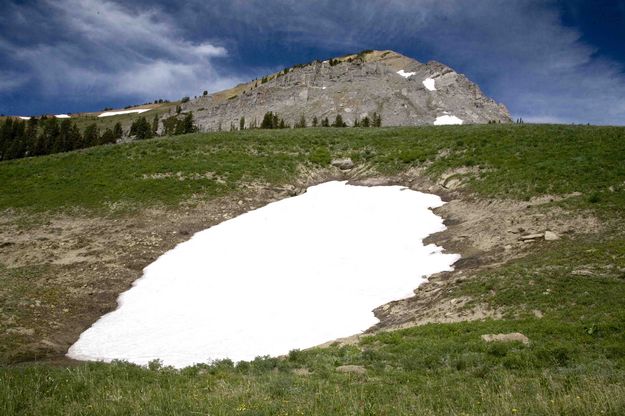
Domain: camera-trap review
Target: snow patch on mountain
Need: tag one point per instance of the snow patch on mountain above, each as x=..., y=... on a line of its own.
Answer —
x=405, y=74
x=429, y=84
x=117, y=113
x=447, y=120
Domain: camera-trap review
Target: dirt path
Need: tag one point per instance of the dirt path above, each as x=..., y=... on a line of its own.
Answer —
x=61, y=276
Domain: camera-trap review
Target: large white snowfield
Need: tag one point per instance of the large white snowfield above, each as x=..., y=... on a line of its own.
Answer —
x=291, y=275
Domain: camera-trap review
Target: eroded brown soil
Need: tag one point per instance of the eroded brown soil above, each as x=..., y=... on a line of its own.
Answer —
x=486, y=233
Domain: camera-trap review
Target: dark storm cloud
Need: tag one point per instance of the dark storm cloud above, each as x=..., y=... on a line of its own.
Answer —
x=521, y=52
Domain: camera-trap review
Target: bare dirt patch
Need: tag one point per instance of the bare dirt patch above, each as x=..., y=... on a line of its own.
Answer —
x=486, y=233
x=59, y=276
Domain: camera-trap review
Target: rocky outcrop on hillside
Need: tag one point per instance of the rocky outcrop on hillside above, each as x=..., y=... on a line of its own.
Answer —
x=402, y=90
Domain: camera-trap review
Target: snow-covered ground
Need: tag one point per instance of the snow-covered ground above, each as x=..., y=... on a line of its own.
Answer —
x=446, y=120
x=117, y=113
x=293, y=274
x=429, y=84
x=405, y=74
x=62, y=116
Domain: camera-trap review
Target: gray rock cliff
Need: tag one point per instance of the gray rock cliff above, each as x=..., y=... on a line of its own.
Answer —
x=402, y=90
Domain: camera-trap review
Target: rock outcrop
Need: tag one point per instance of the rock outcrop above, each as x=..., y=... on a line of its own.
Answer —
x=403, y=91
x=512, y=337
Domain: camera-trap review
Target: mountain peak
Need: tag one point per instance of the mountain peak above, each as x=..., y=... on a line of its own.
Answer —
x=402, y=90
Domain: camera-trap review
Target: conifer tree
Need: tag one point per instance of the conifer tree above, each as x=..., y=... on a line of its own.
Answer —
x=376, y=120
x=75, y=138
x=141, y=129
x=30, y=136
x=40, y=146
x=48, y=136
x=338, y=121
x=188, y=124
x=117, y=131
x=315, y=121
x=5, y=138
x=179, y=129
x=169, y=126
x=301, y=123
x=91, y=136
x=16, y=147
x=62, y=142
x=12, y=139
x=108, y=137
x=270, y=121
x=242, y=123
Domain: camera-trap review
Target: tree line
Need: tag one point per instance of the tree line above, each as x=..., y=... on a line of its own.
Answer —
x=141, y=129
x=44, y=136
x=272, y=120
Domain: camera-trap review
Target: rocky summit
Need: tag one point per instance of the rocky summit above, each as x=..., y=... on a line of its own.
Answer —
x=403, y=91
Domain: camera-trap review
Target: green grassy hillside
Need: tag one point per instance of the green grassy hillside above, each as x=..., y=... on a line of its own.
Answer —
x=514, y=161
x=574, y=363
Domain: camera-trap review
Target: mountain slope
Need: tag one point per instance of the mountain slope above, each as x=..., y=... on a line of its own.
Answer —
x=79, y=227
x=402, y=90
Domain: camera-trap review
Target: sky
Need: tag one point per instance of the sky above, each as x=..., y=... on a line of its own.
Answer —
x=560, y=61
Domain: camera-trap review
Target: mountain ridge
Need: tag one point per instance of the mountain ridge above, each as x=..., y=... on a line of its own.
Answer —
x=402, y=90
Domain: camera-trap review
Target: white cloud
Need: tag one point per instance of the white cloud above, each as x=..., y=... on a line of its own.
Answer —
x=111, y=51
